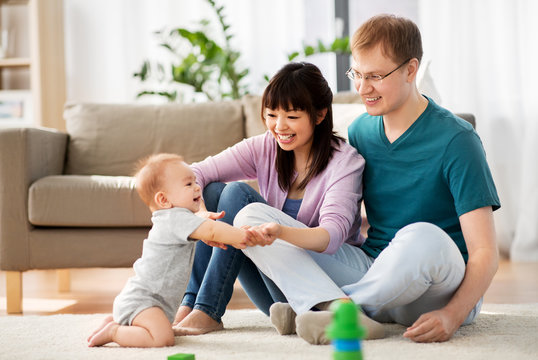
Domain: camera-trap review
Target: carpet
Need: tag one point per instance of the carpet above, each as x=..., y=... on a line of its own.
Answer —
x=500, y=332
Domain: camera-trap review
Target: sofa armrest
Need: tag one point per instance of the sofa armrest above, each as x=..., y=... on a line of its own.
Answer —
x=26, y=154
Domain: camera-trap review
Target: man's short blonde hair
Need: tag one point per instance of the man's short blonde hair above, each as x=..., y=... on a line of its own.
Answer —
x=399, y=37
x=149, y=173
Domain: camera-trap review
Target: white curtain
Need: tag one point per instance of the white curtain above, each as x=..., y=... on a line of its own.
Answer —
x=483, y=56
x=107, y=41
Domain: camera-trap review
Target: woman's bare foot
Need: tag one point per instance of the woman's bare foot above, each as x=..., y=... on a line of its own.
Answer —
x=104, y=334
x=197, y=323
x=181, y=314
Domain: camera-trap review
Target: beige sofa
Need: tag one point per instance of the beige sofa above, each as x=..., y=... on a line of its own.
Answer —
x=67, y=199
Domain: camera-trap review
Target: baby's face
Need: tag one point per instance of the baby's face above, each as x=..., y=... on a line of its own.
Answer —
x=180, y=186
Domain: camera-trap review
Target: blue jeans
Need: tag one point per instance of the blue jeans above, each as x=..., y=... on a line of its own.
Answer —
x=215, y=270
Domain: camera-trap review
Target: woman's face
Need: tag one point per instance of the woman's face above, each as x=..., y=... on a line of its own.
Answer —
x=292, y=129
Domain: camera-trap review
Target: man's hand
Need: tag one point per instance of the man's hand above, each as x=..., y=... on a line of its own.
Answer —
x=479, y=234
x=435, y=326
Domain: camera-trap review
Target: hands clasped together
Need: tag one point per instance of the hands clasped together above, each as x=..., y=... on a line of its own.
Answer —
x=262, y=235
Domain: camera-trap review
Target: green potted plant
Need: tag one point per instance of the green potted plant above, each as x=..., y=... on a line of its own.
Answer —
x=340, y=46
x=208, y=67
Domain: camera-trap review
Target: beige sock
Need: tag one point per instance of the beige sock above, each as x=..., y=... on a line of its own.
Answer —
x=311, y=327
x=374, y=330
x=283, y=318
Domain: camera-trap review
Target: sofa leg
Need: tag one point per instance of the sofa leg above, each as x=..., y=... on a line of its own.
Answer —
x=14, y=292
x=64, y=280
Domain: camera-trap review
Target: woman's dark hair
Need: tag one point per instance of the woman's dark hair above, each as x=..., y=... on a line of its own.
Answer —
x=301, y=86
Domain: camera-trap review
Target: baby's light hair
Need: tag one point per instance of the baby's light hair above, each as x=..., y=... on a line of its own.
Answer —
x=149, y=173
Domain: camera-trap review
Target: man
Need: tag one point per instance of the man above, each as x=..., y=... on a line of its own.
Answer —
x=427, y=186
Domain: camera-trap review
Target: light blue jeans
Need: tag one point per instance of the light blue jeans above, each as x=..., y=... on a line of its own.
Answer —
x=418, y=272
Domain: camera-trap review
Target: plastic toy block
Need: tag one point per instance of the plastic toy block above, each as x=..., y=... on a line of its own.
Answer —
x=345, y=331
x=181, y=356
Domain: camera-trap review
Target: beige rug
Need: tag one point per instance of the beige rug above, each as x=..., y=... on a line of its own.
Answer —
x=501, y=332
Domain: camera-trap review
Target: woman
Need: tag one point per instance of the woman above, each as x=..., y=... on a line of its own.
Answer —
x=307, y=175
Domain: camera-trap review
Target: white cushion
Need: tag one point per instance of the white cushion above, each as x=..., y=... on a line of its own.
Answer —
x=425, y=82
x=343, y=116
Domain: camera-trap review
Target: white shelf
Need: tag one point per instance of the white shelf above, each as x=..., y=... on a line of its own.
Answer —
x=46, y=61
x=16, y=108
x=15, y=62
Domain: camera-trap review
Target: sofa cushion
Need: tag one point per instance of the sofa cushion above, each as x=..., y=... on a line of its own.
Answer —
x=254, y=124
x=344, y=115
x=347, y=97
x=108, y=139
x=86, y=201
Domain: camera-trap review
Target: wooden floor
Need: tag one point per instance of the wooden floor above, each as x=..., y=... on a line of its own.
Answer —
x=93, y=290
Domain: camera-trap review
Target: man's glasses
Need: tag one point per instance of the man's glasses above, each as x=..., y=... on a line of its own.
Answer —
x=353, y=75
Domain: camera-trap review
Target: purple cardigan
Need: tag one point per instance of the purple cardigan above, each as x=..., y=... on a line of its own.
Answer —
x=331, y=199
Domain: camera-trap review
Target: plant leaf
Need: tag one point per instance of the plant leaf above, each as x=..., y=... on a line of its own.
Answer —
x=293, y=55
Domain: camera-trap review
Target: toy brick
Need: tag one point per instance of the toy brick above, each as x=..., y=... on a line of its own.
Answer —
x=181, y=356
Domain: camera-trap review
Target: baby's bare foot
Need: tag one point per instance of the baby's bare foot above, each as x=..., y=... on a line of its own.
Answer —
x=103, y=324
x=197, y=323
x=103, y=336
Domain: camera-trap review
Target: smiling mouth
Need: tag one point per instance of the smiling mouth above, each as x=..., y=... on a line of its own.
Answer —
x=283, y=137
x=371, y=99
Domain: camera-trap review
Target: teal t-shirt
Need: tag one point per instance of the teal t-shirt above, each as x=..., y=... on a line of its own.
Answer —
x=434, y=172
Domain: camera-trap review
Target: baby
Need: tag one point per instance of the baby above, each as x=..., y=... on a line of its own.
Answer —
x=144, y=310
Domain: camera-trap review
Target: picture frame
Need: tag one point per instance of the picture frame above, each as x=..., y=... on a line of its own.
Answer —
x=15, y=108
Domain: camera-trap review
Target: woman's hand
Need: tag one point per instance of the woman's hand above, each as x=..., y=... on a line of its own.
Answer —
x=264, y=234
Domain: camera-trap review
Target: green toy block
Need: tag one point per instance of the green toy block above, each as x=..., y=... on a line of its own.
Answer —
x=345, y=331
x=181, y=356
x=345, y=324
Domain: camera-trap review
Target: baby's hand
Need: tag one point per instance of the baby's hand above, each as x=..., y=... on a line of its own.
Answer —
x=215, y=244
x=210, y=215
x=241, y=243
x=264, y=234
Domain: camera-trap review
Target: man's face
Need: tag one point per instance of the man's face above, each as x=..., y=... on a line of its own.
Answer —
x=381, y=96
